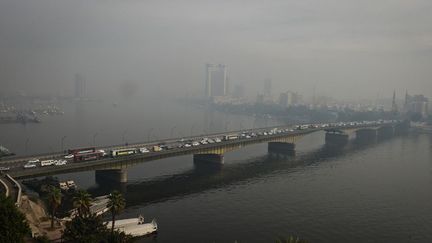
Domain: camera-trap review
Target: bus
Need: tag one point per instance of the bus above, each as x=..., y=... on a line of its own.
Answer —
x=123, y=152
x=88, y=156
x=82, y=150
x=231, y=137
x=46, y=162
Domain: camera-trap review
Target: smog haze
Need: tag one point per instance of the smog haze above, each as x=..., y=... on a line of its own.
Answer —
x=161, y=47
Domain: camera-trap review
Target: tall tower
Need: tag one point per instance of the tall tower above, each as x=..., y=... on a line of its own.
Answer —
x=394, y=105
x=80, y=86
x=216, y=80
x=267, y=87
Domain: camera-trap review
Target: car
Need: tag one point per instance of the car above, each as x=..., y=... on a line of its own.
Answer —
x=103, y=152
x=63, y=186
x=71, y=184
x=69, y=156
x=144, y=150
x=187, y=145
x=218, y=140
x=33, y=161
x=195, y=144
x=60, y=162
x=29, y=165
x=4, y=168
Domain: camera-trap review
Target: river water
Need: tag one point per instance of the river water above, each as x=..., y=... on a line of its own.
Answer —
x=380, y=192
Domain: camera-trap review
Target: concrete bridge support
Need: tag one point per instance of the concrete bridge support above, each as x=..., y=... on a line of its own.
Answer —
x=211, y=159
x=366, y=135
x=385, y=132
x=281, y=148
x=402, y=128
x=336, y=139
x=113, y=175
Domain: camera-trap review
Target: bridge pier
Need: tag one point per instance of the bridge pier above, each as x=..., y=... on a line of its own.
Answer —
x=281, y=148
x=114, y=175
x=385, y=132
x=208, y=159
x=366, y=135
x=336, y=139
x=402, y=128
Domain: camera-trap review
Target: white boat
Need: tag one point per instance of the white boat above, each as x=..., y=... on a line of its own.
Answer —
x=134, y=226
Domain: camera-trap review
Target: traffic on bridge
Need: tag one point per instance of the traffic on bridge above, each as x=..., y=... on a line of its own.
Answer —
x=89, y=156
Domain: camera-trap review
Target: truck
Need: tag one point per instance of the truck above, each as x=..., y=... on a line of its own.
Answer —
x=88, y=156
x=82, y=150
x=123, y=152
x=157, y=149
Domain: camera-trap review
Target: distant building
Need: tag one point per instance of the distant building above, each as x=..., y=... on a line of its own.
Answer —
x=80, y=86
x=267, y=92
x=394, y=105
x=238, y=91
x=289, y=98
x=260, y=99
x=216, y=80
x=416, y=104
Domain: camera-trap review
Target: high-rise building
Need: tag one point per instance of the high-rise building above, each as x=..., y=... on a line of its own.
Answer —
x=267, y=87
x=416, y=104
x=289, y=98
x=80, y=86
x=216, y=80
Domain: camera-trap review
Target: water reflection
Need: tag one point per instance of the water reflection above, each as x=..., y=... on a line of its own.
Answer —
x=202, y=178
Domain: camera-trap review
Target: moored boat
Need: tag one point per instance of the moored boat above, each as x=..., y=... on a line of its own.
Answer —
x=135, y=226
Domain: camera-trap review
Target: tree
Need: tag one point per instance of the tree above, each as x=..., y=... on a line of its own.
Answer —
x=13, y=224
x=82, y=202
x=91, y=228
x=290, y=239
x=85, y=229
x=116, y=204
x=54, y=200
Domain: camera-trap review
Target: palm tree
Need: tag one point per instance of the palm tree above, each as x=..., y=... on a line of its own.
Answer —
x=116, y=204
x=290, y=239
x=54, y=199
x=82, y=201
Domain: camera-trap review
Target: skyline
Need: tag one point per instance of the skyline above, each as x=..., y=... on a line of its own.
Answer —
x=335, y=46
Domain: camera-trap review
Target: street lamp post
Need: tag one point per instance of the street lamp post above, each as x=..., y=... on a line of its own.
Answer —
x=94, y=139
x=124, y=136
x=148, y=134
x=226, y=125
x=62, y=142
x=26, y=145
x=172, y=130
x=192, y=127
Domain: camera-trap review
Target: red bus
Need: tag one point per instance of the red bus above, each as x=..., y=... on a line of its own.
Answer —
x=82, y=150
x=88, y=156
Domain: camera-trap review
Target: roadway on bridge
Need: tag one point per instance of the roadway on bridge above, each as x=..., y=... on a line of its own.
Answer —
x=16, y=164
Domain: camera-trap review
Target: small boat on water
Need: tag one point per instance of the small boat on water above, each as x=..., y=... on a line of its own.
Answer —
x=134, y=226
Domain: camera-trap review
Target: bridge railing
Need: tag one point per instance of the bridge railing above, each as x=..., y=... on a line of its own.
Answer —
x=167, y=140
x=18, y=186
x=5, y=186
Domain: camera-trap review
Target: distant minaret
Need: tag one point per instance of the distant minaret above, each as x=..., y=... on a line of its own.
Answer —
x=394, y=106
x=406, y=99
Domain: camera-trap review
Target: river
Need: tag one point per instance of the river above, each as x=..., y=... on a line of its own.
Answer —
x=380, y=192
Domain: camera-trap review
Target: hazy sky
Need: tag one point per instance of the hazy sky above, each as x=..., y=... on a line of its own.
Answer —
x=345, y=48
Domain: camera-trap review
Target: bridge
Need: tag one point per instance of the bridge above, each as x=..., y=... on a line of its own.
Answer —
x=281, y=140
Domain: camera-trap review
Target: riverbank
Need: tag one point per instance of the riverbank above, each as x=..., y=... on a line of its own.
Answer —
x=38, y=220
